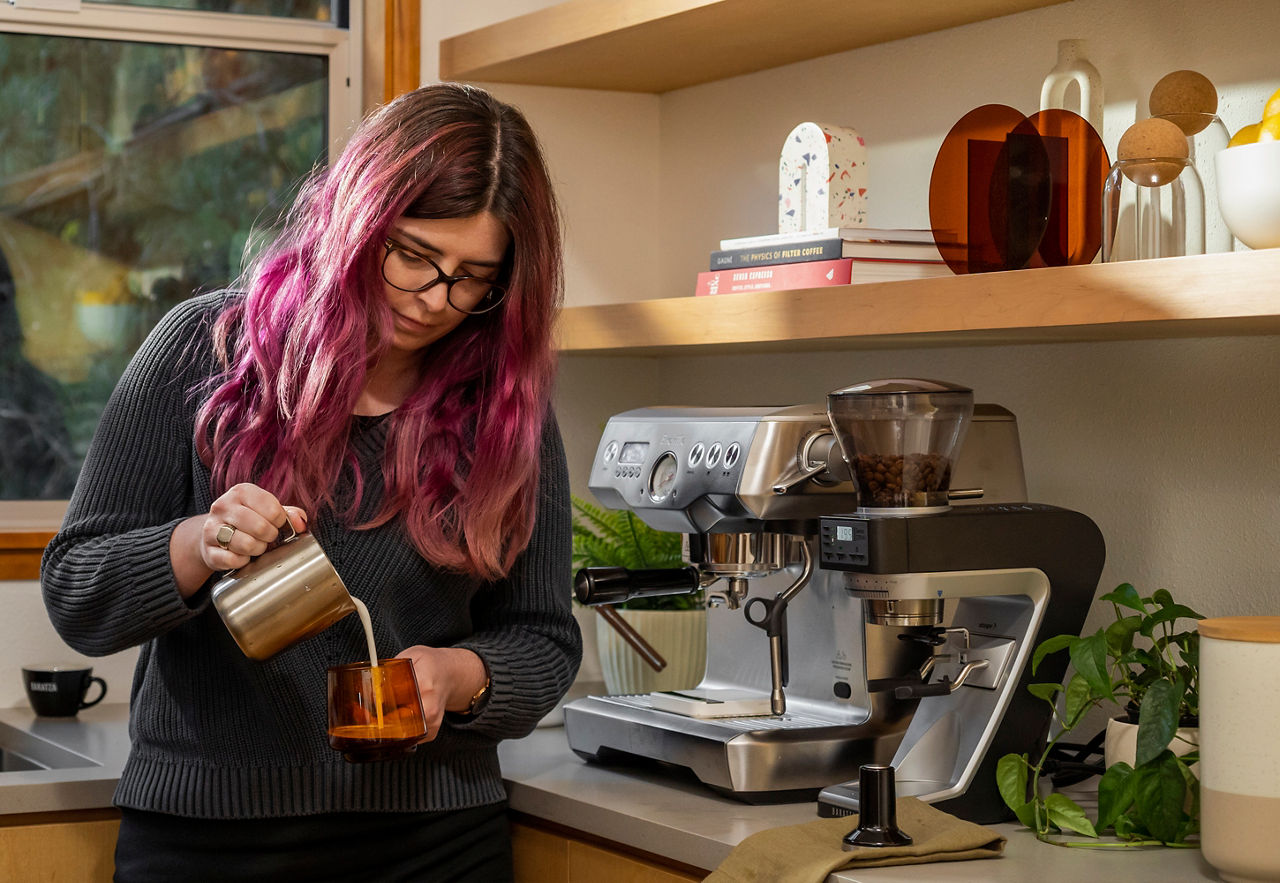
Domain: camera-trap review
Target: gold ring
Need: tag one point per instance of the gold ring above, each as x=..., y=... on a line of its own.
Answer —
x=224, y=535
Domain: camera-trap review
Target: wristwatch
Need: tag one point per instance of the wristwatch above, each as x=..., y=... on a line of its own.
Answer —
x=478, y=700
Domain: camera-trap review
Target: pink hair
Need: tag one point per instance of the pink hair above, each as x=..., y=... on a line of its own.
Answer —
x=461, y=461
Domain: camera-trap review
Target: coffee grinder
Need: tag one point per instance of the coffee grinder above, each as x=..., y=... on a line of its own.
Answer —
x=981, y=583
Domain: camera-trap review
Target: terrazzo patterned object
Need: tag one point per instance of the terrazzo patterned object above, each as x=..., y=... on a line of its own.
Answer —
x=822, y=179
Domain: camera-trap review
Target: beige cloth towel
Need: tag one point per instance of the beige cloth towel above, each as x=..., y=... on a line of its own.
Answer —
x=808, y=853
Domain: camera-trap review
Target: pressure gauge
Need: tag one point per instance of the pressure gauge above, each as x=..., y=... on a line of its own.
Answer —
x=663, y=477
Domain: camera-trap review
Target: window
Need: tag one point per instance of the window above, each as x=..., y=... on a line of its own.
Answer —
x=140, y=157
x=315, y=10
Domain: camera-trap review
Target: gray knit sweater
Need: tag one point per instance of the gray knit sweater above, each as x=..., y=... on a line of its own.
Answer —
x=218, y=735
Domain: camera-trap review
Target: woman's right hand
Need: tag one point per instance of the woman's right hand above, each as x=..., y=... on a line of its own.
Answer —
x=240, y=525
x=255, y=518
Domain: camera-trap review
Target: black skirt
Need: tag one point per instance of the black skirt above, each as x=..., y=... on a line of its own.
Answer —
x=469, y=846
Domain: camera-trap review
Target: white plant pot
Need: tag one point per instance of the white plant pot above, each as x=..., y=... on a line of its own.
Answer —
x=1121, y=743
x=679, y=636
x=590, y=668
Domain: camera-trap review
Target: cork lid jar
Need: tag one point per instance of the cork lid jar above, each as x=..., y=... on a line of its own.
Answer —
x=1246, y=629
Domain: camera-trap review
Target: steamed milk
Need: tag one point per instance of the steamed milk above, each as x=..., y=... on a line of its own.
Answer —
x=363, y=612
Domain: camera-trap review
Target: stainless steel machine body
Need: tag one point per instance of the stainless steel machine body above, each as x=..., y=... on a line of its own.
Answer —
x=734, y=480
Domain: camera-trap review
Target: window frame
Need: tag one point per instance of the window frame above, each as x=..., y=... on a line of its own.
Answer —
x=25, y=525
x=219, y=30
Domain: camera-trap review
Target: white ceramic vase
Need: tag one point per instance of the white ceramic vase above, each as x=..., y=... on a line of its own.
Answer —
x=679, y=636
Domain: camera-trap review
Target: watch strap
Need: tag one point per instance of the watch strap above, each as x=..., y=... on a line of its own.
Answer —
x=478, y=700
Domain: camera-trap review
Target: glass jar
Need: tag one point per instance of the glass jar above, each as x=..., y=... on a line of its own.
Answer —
x=1152, y=208
x=1206, y=135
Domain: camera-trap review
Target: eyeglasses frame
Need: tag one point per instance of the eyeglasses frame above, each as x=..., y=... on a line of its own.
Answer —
x=391, y=245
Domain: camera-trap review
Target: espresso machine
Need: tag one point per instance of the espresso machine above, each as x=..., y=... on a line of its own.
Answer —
x=898, y=576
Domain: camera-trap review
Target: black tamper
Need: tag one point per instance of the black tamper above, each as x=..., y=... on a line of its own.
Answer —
x=877, y=810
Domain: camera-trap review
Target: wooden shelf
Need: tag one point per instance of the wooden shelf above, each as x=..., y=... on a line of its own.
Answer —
x=1201, y=296
x=658, y=45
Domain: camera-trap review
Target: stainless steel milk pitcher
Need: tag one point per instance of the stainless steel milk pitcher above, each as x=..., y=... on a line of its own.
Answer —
x=285, y=595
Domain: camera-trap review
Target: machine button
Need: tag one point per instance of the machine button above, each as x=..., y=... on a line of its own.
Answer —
x=610, y=451
x=695, y=455
x=731, y=455
x=842, y=690
x=713, y=455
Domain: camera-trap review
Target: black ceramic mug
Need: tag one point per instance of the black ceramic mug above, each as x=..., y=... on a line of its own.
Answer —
x=60, y=690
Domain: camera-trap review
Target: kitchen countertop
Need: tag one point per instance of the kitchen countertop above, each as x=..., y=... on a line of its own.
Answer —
x=97, y=741
x=659, y=811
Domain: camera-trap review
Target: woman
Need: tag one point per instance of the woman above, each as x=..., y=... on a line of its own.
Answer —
x=386, y=373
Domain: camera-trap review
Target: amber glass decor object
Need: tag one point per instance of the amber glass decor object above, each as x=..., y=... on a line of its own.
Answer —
x=1009, y=192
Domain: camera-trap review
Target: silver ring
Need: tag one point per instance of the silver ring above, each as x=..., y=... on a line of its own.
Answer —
x=224, y=535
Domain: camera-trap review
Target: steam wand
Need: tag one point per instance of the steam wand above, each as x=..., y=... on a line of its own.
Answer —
x=774, y=622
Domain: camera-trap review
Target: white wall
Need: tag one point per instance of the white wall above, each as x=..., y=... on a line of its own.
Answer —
x=27, y=638
x=1167, y=444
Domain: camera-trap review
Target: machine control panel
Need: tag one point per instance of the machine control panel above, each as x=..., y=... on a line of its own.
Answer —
x=843, y=541
x=696, y=469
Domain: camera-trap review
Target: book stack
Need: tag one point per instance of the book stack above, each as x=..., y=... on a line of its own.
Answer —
x=836, y=256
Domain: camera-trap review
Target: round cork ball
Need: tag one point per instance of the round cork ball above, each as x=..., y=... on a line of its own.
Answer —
x=1152, y=139
x=1188, y=98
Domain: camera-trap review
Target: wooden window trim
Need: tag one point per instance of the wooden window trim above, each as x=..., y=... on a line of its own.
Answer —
x=20, y=552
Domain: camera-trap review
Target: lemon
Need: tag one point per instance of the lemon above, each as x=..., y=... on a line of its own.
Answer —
x=1247, y=135
x=1269, y=128
x=1273, y=105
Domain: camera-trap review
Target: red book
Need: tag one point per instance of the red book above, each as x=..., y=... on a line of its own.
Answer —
x=776, y=277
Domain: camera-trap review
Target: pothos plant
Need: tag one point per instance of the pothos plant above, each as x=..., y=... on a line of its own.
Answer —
x=617, y=538
x=1144, y=664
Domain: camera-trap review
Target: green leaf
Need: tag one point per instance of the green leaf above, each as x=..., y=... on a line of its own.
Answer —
x=1115, y=793
x=1079, y=699
x=1157, y=719
x=1067, y=814
x=1089, y=656
x=1159, y=799
x=1011, y=779
x=1120, y=634
x=1047, y=692
x=1162, y=598
x=1124, y=828
x=1138, y=657
x=1168, y=614
x=1126, y=596
x=1051, y=645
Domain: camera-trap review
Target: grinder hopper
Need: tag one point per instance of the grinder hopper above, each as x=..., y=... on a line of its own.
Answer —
x=900, y=438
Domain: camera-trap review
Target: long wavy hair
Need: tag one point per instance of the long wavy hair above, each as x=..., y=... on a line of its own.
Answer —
x=462, y=452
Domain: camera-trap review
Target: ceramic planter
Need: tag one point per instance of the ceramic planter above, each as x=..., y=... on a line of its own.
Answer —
x=680, y=636
x=1121, y=743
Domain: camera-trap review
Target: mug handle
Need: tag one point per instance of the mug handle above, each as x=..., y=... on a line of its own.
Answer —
x=102, y=695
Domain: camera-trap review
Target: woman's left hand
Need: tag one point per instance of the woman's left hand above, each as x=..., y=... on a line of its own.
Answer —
x=447, y=679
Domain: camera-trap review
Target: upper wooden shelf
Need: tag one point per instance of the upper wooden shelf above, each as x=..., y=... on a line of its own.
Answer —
x=659, y=45
x=1201, y=296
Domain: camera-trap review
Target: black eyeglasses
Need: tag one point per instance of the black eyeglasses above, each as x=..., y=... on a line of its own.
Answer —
x=409, y=271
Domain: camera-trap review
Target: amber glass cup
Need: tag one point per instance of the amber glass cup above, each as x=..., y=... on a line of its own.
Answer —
x=375, y=712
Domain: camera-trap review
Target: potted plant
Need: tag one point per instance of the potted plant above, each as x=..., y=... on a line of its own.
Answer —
x=1145, y=666
x=675, y=625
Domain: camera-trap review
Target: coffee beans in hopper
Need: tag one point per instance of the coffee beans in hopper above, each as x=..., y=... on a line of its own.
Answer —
x=893, y=480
